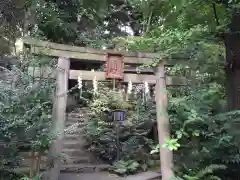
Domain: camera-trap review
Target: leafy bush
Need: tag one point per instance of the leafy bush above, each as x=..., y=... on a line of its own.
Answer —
x=25, y=116
x=100, y=131
x=199, y=125
x=204, y=130
x=204, y=174
x=125, y=167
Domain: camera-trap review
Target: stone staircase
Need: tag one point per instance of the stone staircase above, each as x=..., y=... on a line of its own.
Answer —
x=76, y=159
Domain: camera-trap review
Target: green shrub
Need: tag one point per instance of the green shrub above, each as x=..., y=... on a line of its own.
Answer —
x=100, y=131
x=125, y=167
x=25, y=116
x=205, y=174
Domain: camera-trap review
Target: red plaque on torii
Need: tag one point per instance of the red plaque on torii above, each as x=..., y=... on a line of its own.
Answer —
x=114, y=67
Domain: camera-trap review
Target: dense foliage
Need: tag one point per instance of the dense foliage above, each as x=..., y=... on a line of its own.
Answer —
x=188, y=33
x=200, y=125
x=204, y=130
x=135, y=143
x=25, y=116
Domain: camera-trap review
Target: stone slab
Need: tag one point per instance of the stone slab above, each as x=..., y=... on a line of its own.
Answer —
x=89, y=176
x=149, y=175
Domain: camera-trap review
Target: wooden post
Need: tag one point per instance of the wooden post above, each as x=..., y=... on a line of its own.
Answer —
x=59, y=116
x=166, y=156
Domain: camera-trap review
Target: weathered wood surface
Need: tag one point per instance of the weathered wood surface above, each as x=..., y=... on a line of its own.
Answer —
x=166, y=156
x=59, y=117
x=47, y=44
x=84, y=56
x=82, y=53
x=47, y=72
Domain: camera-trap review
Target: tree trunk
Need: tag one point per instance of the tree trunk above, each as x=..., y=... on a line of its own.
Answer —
x=232, y=43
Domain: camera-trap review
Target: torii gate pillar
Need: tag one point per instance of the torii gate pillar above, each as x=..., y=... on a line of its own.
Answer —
x=59, y=116
x=166, y=156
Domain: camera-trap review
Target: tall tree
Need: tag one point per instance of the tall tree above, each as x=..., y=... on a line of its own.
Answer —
x=232, y=42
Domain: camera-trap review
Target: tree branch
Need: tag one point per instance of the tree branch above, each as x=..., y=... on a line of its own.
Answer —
x=215, y=14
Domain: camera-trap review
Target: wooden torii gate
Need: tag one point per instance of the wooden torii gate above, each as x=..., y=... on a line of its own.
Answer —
x=66, y=54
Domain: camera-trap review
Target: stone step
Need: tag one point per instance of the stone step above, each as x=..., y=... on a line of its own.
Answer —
x=74, y=119
x=90, y=176
x=27, y=162
x=74, y=130
x=71, y=168
x=74, y=144
x=24, y=169
x=81, y=109
x=27, y=155
x=108, y=176
x=80, y=160
x=74, y=152
x=42, y=166
x=84, y=168
x=71, y=123
x=66, y=160
x=68, y=137
x=77, y=115
x=148, y=175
